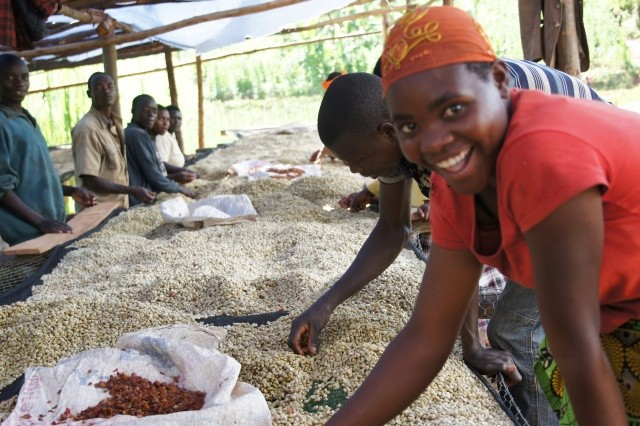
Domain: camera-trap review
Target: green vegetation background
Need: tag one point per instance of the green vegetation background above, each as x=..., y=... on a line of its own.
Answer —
x=283, y=86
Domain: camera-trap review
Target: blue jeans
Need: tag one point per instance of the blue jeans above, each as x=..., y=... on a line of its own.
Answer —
x=515, y=327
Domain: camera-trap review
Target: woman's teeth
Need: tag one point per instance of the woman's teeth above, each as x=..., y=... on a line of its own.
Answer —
x=452, y=161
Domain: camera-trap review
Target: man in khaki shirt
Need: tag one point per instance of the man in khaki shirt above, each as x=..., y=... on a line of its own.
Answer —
x=99, y=152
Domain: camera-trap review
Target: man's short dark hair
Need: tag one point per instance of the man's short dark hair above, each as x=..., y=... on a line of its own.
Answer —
x=139, y=100
x=93, y=77
x=172, y=108
x=162, y=108
x=10, y=59
x=352, y=105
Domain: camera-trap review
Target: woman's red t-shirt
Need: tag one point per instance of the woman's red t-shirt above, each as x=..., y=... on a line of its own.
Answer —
x=555, y=148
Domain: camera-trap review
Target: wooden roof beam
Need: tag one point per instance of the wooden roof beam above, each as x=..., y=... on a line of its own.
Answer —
x=359, y=2
x=93, y=16
x=345, y=19
x=73, y=38
x=125, y=53
x=60, y=27
x=110, y=4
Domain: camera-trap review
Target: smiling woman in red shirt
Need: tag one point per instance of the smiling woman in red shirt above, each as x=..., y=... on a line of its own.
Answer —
x=541, y=187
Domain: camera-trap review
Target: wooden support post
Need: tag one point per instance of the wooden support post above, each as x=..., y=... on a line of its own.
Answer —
x=447, y=2
x=110, y=60
x=173, y=90
x=385, y=20
x=568, y=50
x=200, y=103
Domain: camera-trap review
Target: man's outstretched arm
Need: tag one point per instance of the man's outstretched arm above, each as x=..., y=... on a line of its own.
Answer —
x=384, y=244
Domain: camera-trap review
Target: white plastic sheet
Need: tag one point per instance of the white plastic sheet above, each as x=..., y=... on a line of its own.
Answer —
x=218, y=210
x=187, y=351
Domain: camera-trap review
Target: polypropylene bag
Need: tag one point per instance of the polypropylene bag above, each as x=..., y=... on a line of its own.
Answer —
x=187, y=351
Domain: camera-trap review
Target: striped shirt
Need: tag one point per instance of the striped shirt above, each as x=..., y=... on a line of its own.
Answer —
x=530, y=75
x=522, y=75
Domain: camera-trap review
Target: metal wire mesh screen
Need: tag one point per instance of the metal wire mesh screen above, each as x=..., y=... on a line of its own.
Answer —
x=15, y=269
x=420, y=244
x=498, y=388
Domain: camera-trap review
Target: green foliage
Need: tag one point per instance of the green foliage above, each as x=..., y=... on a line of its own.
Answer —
x=613, y=78
x=622, y=96
x=501, y=23
x=219, y=87
x=627, y=14
x=245, y=87
x=611, y=59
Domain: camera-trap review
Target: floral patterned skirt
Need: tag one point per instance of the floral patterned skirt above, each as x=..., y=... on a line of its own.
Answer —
x=622, y=346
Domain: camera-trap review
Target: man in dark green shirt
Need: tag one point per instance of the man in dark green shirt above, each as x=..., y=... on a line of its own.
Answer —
x=31, y=196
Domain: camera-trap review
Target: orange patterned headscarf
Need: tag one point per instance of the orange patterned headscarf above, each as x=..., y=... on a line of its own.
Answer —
x=431, y=37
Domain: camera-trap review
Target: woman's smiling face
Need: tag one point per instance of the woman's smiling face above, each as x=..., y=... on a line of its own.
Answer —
x=452, y=120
